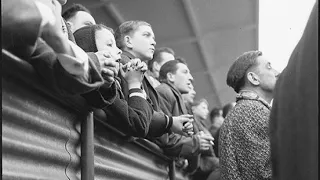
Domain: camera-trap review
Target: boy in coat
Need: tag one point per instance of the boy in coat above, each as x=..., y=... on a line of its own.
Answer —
x=136, y=40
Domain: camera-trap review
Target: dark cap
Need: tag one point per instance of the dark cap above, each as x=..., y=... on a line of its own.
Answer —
x=85, y=38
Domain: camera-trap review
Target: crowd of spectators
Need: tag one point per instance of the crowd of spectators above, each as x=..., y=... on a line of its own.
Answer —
x=148, y=92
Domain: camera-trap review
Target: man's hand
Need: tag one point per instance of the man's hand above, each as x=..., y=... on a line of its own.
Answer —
x=188, y=128
x=133, y=72
x=183, y=124
x=206, y=141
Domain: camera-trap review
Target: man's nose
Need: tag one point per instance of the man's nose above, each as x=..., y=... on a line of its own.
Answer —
x=190, y=78
x=153, y=42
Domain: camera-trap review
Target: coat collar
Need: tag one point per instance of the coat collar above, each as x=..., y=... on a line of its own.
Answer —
x=126, y=53
x=174, y=89
x=178, y=96
x=252, y=96
x=126, y=57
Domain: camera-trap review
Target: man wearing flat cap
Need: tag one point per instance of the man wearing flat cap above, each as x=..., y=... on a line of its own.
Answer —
x=244, y=144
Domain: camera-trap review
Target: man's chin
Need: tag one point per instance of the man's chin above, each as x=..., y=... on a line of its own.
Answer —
x=62, y=2
x=148, y=58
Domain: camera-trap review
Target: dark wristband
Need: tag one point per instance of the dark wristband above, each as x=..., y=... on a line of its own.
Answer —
x=168, y=128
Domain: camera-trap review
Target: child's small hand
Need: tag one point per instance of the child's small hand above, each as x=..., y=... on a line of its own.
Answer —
x=109, y=66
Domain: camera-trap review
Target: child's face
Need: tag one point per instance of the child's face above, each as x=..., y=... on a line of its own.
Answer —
x=143, y=42
x=105, y=42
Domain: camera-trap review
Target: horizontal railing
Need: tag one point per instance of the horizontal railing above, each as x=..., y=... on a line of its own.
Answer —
x=20, y=71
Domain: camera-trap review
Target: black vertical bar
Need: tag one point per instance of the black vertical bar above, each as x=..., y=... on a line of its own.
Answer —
x=172, y=170
x=87, y=148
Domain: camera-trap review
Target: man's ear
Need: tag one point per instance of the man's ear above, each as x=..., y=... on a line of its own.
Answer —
x=253, y=78
x=170, y=77
x=70, y=25
x=128, y=42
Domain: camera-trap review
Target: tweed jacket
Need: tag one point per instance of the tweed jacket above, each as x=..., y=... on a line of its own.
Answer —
x=244, y=144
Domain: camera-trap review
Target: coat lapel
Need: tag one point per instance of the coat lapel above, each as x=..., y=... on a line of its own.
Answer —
x=178, y=96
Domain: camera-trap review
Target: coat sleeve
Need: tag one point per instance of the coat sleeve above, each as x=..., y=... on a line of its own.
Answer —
x=101, y=97
x=168, y=100
x=132, y=117
x=158, y=124
x=46, y=63
x=21, y=21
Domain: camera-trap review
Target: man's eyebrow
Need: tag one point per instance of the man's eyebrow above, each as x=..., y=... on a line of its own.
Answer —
x=149, y=34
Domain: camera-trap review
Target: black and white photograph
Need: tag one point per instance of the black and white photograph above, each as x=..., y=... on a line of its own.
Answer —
x=160, y=89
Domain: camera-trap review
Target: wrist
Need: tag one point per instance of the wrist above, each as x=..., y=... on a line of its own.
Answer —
x=133, y=85
x=137, y=92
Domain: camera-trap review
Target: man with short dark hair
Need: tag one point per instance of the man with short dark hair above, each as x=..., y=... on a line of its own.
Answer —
x=244, y=144
x=176, y=79
x=78, y=16
x=160, y=56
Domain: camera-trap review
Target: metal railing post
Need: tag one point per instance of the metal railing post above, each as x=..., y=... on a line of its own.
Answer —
x=172, y=170
x=87, y=148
